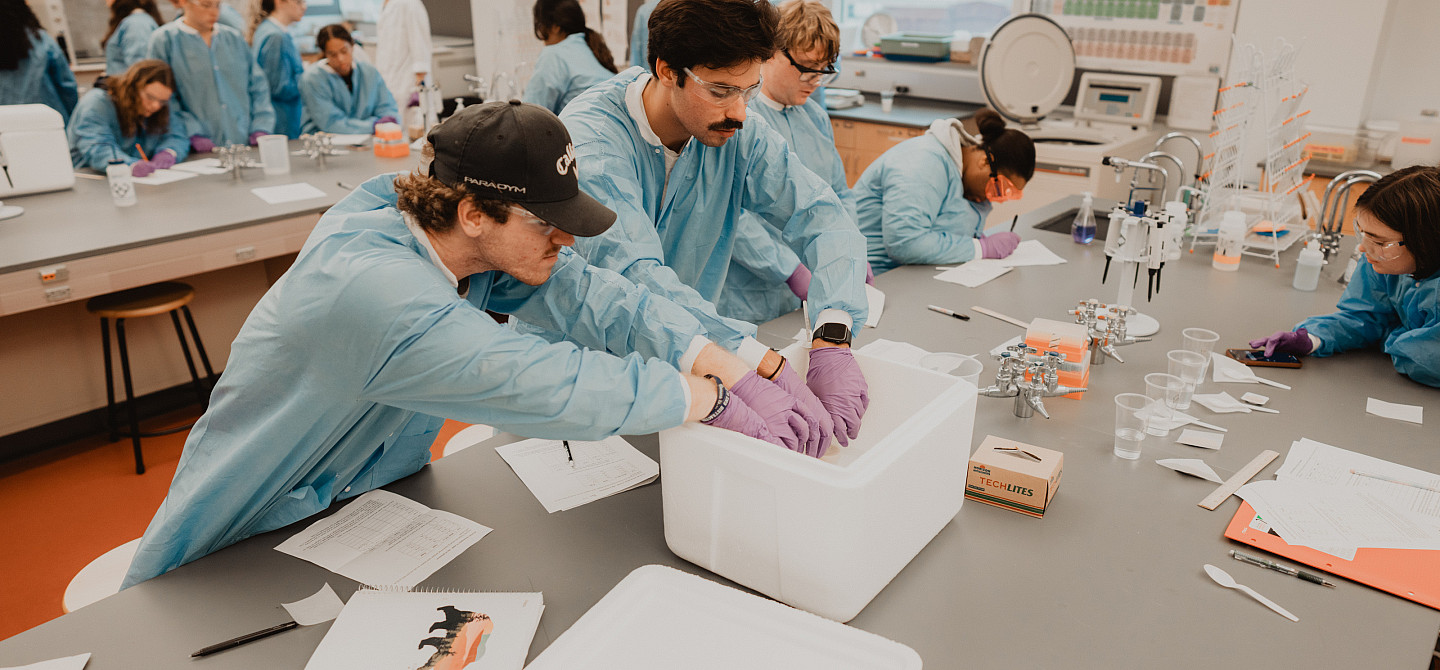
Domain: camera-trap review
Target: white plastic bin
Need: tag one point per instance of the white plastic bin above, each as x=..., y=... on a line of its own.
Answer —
x=824, y=535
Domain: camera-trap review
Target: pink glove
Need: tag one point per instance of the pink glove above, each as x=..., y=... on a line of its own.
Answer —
x=1286, y=342
x=869, y=274
x=738, y=416
x=141, y=168
x=836, y=380
x=255, y=137
x=999, y=245
x=384, y=119
x=799, y=281
x=201, y=144
x=822, y=427
x=776, y=407
x=164, y=160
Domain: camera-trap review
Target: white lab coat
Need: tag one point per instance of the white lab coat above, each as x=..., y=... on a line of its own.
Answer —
x=403, y=47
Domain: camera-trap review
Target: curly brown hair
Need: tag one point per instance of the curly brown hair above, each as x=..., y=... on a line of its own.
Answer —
x=125, y=91
x=433, y=204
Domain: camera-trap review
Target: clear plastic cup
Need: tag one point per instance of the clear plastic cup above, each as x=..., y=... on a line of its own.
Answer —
x=1131, y=410
x=1190, y=368
x=275, y=153
x=887, y=100
x=1165, y=390
x=1200, y=341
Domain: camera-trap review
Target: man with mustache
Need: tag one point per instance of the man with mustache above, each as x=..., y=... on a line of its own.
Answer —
x=676, y=157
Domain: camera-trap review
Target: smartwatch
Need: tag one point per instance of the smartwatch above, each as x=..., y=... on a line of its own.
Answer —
x=837, y=333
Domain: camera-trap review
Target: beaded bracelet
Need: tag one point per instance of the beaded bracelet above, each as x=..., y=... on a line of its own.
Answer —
x=722, y=400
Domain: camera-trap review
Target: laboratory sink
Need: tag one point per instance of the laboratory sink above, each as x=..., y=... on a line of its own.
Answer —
x=1060, y=223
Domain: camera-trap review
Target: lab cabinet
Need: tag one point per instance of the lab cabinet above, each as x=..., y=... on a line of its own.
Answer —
x=860, y=143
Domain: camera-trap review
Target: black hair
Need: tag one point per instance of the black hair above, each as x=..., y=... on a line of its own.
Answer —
x=716, y=34
x=333, y=31
x=124, y=8
x=1408, y=200
x=17, y=23
x=570, y=18
x=1008, y=149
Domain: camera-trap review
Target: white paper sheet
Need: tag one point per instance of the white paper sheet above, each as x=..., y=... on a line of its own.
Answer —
x=384, y=539
x=76, y=662
x=323, y=606
x=1191, y=466
x=201, y=166
x=1226, y=369
x=1390, y=410
x=600, y=469
x=1335, y=519
x=1404, y=487
x=975, y=273
x=164, y=177
x=1175, y=419
x=1221, y=403
x=1200, y=438
x=1030, y=252
x=275, y=195
x=1255, y=398
x=876, y=298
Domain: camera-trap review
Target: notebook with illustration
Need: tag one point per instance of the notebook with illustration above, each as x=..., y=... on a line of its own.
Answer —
x=430, y=630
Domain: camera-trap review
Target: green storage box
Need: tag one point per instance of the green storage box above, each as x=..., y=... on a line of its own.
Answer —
x=929, y=47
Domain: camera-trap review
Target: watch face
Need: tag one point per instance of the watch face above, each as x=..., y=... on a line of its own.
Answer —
x=833, y=332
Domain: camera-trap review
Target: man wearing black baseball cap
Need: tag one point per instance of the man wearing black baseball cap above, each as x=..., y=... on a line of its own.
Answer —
x=341, y=377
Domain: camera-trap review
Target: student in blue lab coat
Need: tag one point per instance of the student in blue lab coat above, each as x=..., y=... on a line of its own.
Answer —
x=127, y=38
x=228, y=16
x=766, y=278
x=221, y=95
x=925, y=200
x=127, y=111
x=640, y=35
x=33, y=69
x=340, y=94
x=575, y=57
x=1393, y=300
x=277, y=55
x=341, y=377
x=676, y=156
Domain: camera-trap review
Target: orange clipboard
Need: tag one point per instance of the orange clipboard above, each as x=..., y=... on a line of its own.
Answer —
x=1412, y=574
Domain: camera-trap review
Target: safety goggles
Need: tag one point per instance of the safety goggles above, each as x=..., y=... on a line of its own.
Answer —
x=722, y=94
x=810, y=75
x=999, y=188
x=1385, y=251
x=536, y=222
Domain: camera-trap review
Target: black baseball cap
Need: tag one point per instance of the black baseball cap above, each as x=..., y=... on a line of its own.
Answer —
x=521, y=153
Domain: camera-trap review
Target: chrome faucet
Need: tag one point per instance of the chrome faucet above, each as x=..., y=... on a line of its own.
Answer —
x=1121, y=164
x=234, y=158
x=1335, y=204
x=1199, y=157
x=1179, y=174
x=1028, y=380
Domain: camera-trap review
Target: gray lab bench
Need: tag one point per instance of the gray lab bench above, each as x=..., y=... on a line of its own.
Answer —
x=906, y=111
x=1110, y=578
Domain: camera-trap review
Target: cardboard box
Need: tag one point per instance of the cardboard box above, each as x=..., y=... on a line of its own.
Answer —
x=1002, y=475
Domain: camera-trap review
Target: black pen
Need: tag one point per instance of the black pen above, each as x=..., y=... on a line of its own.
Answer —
x=946, y=312
x=568, y=453
x=250, y=637
x=1013, y=222
x=1252, y=560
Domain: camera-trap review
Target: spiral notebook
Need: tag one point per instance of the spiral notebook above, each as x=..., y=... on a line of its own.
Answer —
x=431, y=630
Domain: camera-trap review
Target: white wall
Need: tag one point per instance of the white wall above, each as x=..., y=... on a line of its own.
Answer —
x=505, y=36
x=1407, y=67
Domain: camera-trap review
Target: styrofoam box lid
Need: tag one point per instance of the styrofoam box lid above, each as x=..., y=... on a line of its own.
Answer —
x=30, y=117
x=661, y=618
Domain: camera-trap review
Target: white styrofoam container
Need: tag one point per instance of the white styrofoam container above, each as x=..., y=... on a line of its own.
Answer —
x=824, y=535
x=660, y=618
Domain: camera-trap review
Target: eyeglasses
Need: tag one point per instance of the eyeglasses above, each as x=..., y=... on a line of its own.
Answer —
x=721, y=94
x=1385, y=251
x=811, y=75
x=543, y=228
x=999, y=188
x=208, y=6
x=154, y=99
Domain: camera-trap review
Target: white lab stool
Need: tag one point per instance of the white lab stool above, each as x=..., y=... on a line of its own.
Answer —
x=467, y=438
x=101, y=578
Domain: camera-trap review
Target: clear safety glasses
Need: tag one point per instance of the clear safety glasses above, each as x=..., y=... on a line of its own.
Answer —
x=722, y=94
x=539, y=224
x=810, y=75
x=1385, y=251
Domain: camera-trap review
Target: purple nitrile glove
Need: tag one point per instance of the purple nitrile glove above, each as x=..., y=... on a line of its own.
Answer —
x=414, y=100
x=822, y=427
x=383, y=119
x=776, y=407
x=255, y=137
x=141, y=168
x=836, y=380
x=164, y=160
x=201, y=144
x=799, y=281
x=999, y=245
x=738, y=416
x=869, y=274
x=1285, y=342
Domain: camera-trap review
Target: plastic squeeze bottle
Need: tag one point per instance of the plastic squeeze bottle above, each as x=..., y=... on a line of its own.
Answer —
x=1082, y=229
x=1228, y=244
x=1307, y=270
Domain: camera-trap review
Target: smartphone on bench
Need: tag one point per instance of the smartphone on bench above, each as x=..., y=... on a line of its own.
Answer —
x=1257, y=357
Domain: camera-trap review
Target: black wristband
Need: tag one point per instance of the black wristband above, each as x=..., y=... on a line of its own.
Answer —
x=722, y=400
x=778, y=368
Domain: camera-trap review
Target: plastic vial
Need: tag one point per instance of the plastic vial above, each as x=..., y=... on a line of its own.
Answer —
x=122, y=186
x=1229, y=242
x=1082, y=229
x=1307, y=270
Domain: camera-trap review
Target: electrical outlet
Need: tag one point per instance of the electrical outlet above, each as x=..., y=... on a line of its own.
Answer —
x=57, y=294
x=54, y=274
x=244, y=254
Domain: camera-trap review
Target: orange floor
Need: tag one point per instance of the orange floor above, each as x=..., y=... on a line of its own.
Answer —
x=61, y=509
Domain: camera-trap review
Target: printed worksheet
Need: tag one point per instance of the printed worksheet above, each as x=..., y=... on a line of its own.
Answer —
x=1406, y=488
x=384, y=539
x=589, y=471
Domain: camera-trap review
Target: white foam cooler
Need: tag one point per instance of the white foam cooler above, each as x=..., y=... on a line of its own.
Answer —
x=824, y=535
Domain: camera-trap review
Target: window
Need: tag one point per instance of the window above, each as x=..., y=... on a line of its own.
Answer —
x=973, y=17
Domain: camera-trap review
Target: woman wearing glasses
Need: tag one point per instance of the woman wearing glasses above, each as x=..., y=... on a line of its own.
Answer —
x=574, y=58
x=342, y=94
x=128, y=118
x=1394, y=298
x=925, y=201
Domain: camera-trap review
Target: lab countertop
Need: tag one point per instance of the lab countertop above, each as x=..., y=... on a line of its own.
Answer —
x=906, y=111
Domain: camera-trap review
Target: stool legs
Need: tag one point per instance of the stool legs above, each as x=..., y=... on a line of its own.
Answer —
x=189, y=360
x=130, y=396
x=109, y=381
x=199, y=347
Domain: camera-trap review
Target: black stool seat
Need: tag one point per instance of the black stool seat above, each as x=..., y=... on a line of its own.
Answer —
x=151, y=300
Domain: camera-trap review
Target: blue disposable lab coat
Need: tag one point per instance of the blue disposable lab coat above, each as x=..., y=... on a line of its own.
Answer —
x=339, y=379
x=564, y=70
x=220, y=91
x=677, y=237
x=278, y=57
x=96, y=138
x=912, y=208
x=333, y=107
x=44, y=77
x=1398, y=313
x=129, y=42
x=640, y=35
